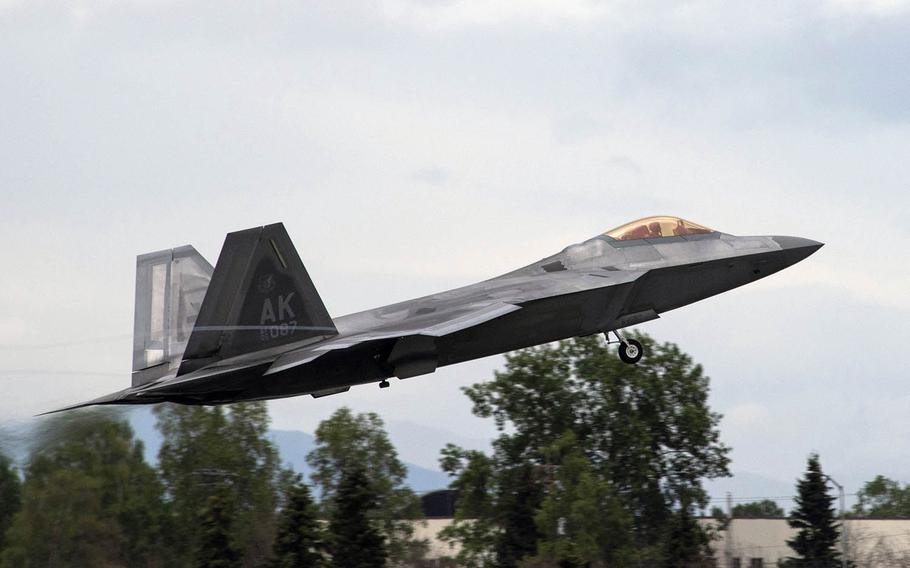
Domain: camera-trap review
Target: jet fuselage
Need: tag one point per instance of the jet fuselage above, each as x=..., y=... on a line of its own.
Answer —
x=671, y=272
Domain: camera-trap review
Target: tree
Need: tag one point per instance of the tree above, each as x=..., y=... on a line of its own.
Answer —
x=216, y=543
x=519, y=496
x=10, y=497
x=721, y=520
x=883, y=497
x=299, y=541
x=757, y=509
x=62, y=524
x=754, y=510
x=89, y=498
x=646, y=431
x=345, y=442
x=686, y=545
x=813, y=516
x=356, y=542
x=209, y=451
x=475, y=479
x=579, y=509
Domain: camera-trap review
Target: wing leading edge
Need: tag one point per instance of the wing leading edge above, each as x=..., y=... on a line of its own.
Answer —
x=473, y=315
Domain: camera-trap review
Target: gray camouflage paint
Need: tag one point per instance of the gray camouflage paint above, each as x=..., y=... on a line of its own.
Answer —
x=594, y=286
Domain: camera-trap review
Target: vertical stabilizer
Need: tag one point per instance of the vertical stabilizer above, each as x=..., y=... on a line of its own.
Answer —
x=260, y=298
x=170, y=287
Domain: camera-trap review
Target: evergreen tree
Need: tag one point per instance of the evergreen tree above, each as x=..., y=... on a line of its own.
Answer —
x=299, y=542
x=216, y=547
x=355, y=540
x=687, y=545
x=348, y=441
x=645, y=430
x=815, y=544
x=10, y=500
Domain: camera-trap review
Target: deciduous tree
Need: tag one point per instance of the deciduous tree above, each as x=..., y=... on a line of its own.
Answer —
x=345, y=442
x=581, y=520
x=645, y=430
x=207, y=450
x=883, y=497
x=757, y=509
x=89, y=498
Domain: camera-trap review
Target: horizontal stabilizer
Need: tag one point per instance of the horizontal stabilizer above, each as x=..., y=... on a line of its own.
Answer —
x=120, y=397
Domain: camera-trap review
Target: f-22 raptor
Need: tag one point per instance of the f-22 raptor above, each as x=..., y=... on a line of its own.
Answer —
x=254, y=327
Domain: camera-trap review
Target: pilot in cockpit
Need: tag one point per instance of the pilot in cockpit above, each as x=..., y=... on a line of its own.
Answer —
x=656, y=227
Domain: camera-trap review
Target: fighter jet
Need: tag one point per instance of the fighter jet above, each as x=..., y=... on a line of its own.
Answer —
x=254, y=327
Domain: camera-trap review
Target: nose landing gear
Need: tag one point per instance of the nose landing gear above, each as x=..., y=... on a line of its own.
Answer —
x=630, y=350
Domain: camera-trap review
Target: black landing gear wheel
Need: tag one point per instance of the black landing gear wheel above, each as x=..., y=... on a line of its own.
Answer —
x=630, y=351
x=384, y=384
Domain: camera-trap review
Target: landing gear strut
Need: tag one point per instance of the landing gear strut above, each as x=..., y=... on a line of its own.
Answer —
x=630, y=350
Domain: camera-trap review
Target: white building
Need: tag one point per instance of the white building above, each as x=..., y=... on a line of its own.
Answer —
x=757, y=543
x=761, y=543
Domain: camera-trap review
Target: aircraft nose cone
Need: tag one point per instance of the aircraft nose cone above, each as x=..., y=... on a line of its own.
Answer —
x=796, y=249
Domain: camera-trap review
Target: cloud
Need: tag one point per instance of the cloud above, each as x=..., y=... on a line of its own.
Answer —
x=433, y=15
x=870, y=7
x=414, y=147
x=431, y=175
x=748, y=415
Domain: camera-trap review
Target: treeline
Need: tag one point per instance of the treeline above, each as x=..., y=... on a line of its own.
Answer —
x=597, y=463
x=218, y=497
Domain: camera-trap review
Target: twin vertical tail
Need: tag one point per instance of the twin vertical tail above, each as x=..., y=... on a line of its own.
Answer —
x=259, y=297
x=170, y=287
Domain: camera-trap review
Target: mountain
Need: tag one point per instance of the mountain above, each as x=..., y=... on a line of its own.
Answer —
x=292, y=445
x=420, y=444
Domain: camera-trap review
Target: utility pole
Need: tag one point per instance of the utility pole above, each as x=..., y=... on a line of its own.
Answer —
x=728, y=538
x=843, y=523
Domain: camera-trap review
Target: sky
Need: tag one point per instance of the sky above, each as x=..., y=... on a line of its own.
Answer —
x=415, y=146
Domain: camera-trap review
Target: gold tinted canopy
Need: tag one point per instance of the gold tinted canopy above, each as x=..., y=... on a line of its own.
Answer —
x=656, y=227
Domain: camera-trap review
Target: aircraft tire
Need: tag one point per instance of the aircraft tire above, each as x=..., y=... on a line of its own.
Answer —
x=631, y=351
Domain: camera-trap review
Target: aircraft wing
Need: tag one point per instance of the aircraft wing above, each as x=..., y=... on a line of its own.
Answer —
x=436, y=325
x=450, y=322
x=442, y=324
x=455, y=310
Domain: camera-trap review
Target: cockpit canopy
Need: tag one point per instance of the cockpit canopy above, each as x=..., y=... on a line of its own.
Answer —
x=656, y=227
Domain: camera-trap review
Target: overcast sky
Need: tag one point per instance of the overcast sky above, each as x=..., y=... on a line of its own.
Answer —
x=411, y=147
